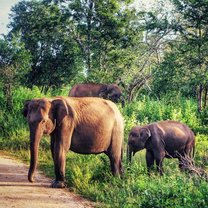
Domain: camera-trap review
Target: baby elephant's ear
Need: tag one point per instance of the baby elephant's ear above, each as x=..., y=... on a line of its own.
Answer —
x=25, y=108
x=145, y=134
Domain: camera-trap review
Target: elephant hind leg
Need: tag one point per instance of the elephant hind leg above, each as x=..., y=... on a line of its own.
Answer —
x=185, y=161
x=115, y=150
x=189, y=148
x=160, y=166
x=182, y=163
x=121, y=170
x=182, y=156
x=159, y=157
x=116, y=165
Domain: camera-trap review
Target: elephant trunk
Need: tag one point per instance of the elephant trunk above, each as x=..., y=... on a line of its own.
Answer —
x=122, y=101
x=35, y=135
x=129, y=154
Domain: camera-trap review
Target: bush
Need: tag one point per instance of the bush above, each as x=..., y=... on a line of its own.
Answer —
x=148, y=110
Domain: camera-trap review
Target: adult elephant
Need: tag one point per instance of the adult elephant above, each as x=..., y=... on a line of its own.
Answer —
x=77, y=124
x=170, y=139
x=106, y=91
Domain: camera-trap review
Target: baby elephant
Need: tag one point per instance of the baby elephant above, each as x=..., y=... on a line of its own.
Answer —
x=170, y=139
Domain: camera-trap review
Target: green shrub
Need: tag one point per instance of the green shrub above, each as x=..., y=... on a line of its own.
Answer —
x=148, y=110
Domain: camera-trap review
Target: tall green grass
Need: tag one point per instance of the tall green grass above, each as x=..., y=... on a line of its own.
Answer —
x=148, y=110
x=90, y=175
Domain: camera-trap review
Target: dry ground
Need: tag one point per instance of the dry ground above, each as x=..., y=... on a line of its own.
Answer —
x=17, y=192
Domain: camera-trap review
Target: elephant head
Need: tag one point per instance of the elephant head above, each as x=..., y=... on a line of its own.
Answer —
x=138, y=137
x=40, y=117
x=112, y=92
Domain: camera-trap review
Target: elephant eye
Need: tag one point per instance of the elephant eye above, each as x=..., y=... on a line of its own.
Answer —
x=133, y=134
x=43, y=121
x=43, y=107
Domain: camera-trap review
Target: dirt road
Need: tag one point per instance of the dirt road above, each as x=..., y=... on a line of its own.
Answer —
x=17, y=192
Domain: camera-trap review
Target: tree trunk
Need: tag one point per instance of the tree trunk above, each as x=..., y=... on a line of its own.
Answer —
x=200, y=92
x=8, y=84
x=89, y=38
x=205, y=96
x=135, y=87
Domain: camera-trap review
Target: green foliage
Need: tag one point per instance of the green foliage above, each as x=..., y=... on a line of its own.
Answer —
x=103, y=30
x=148, y=110
x=43, y=30
x=72, y=37
x=14, y=65
x=12, y=120
x=107, y=41
x=183, y=68
x=204, y=116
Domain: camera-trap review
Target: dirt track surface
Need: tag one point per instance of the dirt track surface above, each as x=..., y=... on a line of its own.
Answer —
x=17, y=192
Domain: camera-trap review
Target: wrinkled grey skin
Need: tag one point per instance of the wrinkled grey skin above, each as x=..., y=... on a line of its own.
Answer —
x=163, y=139
x=76, y=124
x=106, y=91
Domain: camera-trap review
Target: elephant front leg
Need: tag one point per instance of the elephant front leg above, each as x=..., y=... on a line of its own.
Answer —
x=61, y=146
x=149, y=161
x=60, y=164
x=52, y=146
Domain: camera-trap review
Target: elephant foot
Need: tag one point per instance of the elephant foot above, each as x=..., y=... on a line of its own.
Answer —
x=58, y=184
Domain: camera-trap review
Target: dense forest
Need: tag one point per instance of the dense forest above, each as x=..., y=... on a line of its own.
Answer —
x=157, y=55
x=52, y=44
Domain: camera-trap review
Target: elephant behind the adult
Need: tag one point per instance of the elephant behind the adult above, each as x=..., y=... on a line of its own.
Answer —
x=78, y=124
x=106, y=91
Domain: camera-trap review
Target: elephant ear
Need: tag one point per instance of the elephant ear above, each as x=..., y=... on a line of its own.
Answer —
x=145, y=134
x=110, y=88
x=106, y=91
x=113, y=90
x=25, y=108
x=60, y=110
x=103, y=91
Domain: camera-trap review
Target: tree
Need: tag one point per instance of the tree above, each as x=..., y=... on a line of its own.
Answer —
x=153, y=32
x=101, y=29
x=187, y=58
x=43, y=30
x=14, y=65
x=194, y=30
x=65, y=37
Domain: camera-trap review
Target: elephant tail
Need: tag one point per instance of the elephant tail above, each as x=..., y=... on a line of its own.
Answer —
x=194, y=146
x=122, y=153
